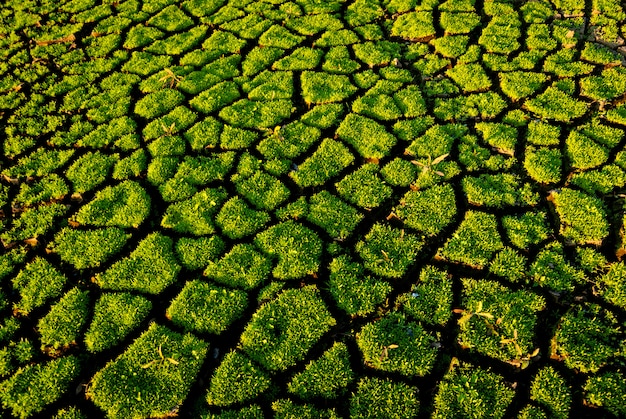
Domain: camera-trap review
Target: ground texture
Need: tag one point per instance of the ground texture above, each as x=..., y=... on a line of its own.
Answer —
x=292, y=209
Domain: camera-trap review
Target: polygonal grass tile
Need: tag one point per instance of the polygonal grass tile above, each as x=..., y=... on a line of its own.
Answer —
x=151, y=377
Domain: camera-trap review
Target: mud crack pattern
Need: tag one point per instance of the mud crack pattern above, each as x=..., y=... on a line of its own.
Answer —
x=339, y=209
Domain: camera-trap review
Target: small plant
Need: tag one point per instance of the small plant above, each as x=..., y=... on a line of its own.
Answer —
x=283, y=330
x=377, y=53
x=206, y=308
x=133, y=385
x=297, y=249
x=502, y=137
x=382, y=397
x=115, y=316
x=150, y=268
x=237, y=379
x=527, y=229
x=612, y=286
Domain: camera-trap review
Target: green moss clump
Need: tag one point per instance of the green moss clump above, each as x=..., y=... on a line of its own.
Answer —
x=428, y=211
x=36, y=386
x=196, y=253
x=549, y=389
x=206, y=308
x=195, y=215
x=263, y=190
x=612, y=285
x=583, y=217
x=588, y=338
x=470, y=77
x=333, y=215
x=50, y=187
x=171, y=19
x=475, y=241
x=498, y=191
x=327, y=161
x=237, y=379
x=394, y=344
x=509, y=264
x=543, y=164
x=354, y=291
x=556, y=104
x=283, y=330
x=364, y=187
x=237, y=219
x=150, y=268
x=607, y=390
x=250, y=114
x=115, y=316
x=88, y=248
x=63, y=324
x=414, y=26
x=430, y=299
x=124, y=205
x=527, y=229
x=319, y=87
x=388, y=251
x=520, y=84
x=467, y=390
x=382, y=397
x=510, y=339
x=243, y=267
x=151, y=377
x=552, y=270
x=368, y=137
x=297, y=249
x=37, y=283
x=327, y=376
x=583, y=152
